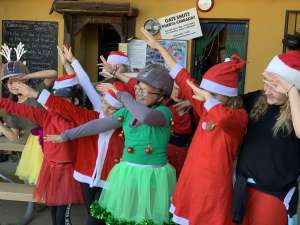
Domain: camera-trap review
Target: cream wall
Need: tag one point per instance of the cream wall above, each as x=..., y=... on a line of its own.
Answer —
x=266, y=24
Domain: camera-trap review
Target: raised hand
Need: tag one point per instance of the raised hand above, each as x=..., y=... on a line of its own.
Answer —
x=53, y=138
x=62, y=56
x=149, y=39
x=104, y=87
x=67, y=51
x=108, y=70
x=183, y=106
x=276, y=82
x=199, y=94
x=24, y=90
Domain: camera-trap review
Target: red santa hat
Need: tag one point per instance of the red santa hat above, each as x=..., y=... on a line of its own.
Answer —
x=65, y=81
x=223, y=78
x=111, y=98
x=287, y=65
x=118, y=57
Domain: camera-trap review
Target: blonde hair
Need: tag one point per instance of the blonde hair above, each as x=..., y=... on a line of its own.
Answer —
x=283, y=121
x=234, y=102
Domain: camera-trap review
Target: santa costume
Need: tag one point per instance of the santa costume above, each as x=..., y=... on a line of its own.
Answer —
x=204, y=190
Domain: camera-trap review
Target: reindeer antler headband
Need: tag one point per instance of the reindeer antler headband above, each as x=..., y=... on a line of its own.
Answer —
x=6, y=51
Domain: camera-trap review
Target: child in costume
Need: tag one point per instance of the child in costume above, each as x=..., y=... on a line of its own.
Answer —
x=55, y=186
x=16, y=71
x=204, y=189
x=139, y=187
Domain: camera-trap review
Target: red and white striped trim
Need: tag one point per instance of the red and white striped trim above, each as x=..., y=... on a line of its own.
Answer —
x=290, y=74
x=65, y=81
x=118, y=58
x=218, y=88
x=178, y=219
x=112, y=101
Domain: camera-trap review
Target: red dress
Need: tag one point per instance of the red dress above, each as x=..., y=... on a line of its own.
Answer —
x=95, y=155
x=55, y=185
x=204, y=190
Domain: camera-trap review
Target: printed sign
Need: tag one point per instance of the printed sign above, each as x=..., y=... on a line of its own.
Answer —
x=184, y=25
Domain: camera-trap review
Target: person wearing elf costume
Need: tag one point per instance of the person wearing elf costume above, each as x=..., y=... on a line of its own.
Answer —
x=139, y=187
x=16, y=71
x=95, y=155
x=55, y=185
x=269, y=164
x=204, y=190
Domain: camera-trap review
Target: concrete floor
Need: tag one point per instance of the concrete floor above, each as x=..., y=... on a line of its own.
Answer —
x=11, y=212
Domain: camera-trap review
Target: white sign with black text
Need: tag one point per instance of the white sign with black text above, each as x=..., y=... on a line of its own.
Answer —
x=184, y=25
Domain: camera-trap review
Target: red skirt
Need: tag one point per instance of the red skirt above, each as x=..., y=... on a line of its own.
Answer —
x=176, y=157
x=56, y=185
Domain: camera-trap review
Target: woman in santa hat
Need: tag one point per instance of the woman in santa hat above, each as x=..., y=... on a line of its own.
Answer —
x=204, y=190
x=269, y=164
x=139, y=187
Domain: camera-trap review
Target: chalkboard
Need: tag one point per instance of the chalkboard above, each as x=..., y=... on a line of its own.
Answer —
x=39, y=38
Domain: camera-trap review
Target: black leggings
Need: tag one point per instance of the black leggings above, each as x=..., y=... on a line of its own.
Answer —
x=61, y=215
x=91, y=195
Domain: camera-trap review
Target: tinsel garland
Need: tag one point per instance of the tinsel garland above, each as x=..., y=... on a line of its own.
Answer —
x=101, y=213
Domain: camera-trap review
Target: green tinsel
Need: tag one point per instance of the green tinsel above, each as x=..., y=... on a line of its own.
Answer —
x=101, y=213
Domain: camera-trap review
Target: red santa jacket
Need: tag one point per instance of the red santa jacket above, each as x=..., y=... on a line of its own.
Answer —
x=203, y=193
x=51, y=123
x=94, y=160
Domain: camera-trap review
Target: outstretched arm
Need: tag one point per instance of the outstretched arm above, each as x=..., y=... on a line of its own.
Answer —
x=91, y=128
x=48, y=76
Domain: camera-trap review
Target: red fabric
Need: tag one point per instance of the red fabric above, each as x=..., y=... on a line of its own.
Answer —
x=291, y=58
x=264, y=209
x=56, y=185
x=117, y=53
x=226, y=73
x=203, y=194
x=66, y=77
x=176, y=157
x=87, y=147
x=131, y=86
x=182, y=124
x=55, y=172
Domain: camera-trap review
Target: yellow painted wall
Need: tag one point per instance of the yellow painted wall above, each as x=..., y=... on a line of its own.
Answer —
x=266, y=24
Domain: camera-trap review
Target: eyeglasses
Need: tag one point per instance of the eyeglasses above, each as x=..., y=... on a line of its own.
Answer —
x=144, y=92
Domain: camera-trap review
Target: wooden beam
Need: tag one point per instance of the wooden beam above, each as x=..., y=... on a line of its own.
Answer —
x=95, y=8
x=16, y=192
x=6, y=145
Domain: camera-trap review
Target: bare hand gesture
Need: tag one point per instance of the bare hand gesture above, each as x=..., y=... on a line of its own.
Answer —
x=199, y=94
x=53, y=138
x=104, y=87
x=68, y=53
x=24, y=90
x=183, y=106
x=149, y=39
x=276, y=82
x=61, y=55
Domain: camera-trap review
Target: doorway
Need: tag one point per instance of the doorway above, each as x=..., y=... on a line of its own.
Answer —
x=220, y=40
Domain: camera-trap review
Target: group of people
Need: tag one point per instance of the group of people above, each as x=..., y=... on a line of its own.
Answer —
x=159, y=148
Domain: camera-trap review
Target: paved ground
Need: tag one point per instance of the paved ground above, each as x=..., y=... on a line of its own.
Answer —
x=11, y=212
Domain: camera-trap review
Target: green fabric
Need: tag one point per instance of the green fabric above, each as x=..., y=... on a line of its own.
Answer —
x=135, y=193
x=143, y=135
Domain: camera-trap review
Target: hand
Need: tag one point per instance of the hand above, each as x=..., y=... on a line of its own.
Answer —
x=149, y=39
x=183, y=106
x=62, y=56
x=106, y=67
x=276, y=82
x=199, y=94
x=24, y=90
x=104, y=87
x=53, y=138
x=68, y=53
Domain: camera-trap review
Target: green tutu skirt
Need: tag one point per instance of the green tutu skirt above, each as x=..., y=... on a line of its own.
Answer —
x=135, y=193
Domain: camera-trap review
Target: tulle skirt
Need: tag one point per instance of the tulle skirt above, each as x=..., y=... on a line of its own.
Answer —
x=135, y=193
x=31, y=160
x=56, y=185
